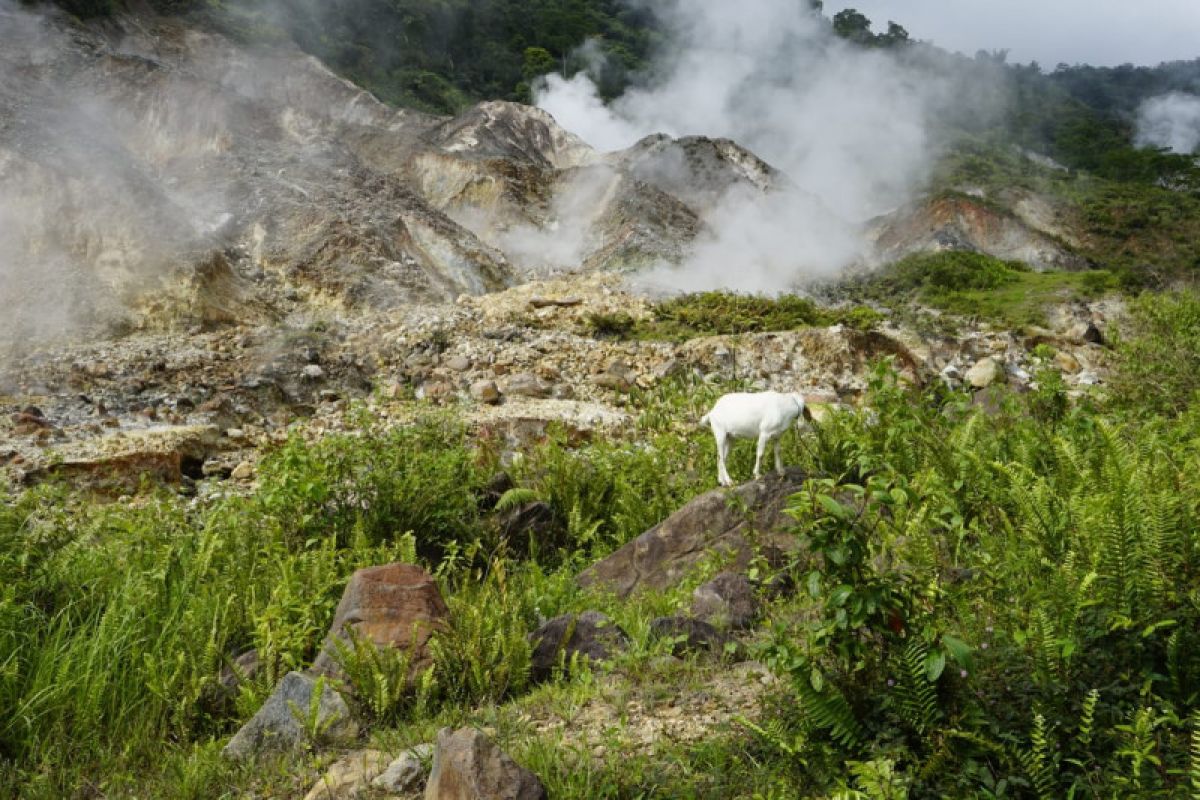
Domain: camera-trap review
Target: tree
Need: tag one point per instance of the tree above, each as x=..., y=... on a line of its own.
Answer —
x=538, y=61
x=852, y=25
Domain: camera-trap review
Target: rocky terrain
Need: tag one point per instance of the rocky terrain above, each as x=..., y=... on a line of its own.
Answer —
x=215, y=241
x=191, y=406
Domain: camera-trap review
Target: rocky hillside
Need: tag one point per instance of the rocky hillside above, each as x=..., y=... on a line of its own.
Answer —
x=169, y=178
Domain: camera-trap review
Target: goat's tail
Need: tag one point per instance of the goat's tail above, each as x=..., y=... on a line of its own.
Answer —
x=704, y=420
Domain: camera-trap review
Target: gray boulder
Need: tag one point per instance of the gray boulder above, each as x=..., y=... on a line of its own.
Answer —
x=468, y=766
x=737, y=522
x=280, y=723
x=407, y=772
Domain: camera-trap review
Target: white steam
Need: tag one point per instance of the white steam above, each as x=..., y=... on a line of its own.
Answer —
x=96, y=205
x=849, y=127
x=1171, y=121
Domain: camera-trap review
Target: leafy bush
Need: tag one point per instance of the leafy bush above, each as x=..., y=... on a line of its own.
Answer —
x=953, y=270
x=1160, y=364
x=992, y=603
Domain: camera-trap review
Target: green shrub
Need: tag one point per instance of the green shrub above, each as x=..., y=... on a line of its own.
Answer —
x=1159, y=365
x=953, y=270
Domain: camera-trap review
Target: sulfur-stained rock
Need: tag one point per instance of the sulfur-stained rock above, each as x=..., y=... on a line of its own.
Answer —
x=349, y=776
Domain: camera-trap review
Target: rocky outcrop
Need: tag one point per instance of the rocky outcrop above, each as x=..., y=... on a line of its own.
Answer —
x=282, y=723
x=590, y=636
x=732, y=522
x=976, y=224
x=397, y=605
x=468, y=766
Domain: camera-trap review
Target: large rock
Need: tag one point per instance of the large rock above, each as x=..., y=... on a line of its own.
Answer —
x=396, y=605
x=468, y=766
x=280, y=723
x=733, y=521
x=727, y=601
x=590, y=635
x=985, y=372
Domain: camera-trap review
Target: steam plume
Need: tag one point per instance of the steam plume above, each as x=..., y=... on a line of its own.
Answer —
x=850, y=127
x=1170, y=120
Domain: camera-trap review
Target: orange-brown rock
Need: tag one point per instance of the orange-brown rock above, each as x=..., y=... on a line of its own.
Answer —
x=395, y=605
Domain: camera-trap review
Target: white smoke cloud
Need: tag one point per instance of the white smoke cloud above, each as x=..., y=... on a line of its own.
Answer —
x=850, y=127
x=1172, y=121
x=564, y=239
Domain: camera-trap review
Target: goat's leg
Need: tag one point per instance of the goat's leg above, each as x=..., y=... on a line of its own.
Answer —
x=762, y=447
x=778, y=458
x=722, y=459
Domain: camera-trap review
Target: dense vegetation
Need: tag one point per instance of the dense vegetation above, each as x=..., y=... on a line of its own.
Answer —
x=991, y=604
x=975, y=285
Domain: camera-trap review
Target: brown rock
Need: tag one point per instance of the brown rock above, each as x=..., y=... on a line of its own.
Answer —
x=728, y=520
x=436, y=391
x=619, y=376
x=396, y=605
x=1066, y=362
x=468, y=766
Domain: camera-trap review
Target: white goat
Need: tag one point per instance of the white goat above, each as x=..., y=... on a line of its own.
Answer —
x=765, y=415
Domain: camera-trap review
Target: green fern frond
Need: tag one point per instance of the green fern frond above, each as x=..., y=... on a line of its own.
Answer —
x=879, y=779
x=516, y=497
x=1037, y=761
x=1194, y=758
x=1087, y=719
x=915, y=692
x=827, y=709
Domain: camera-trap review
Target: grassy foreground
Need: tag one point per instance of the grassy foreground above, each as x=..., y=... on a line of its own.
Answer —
x=992, y=606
